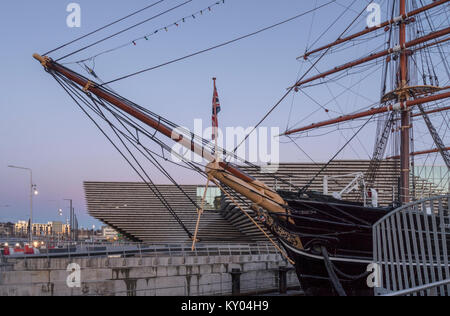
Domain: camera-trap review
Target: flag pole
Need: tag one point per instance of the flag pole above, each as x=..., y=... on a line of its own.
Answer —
x=216, y=125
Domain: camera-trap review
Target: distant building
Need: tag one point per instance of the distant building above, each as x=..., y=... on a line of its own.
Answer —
x=21, y=228
x=57, y=228
x=51, y=229
x=6, y=229
x=109, y=233
x=84, y=234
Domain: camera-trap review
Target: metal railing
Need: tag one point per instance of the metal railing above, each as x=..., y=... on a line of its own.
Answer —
x=411, y=248
x=419, y=289
x=439, y=176
x=140, y=250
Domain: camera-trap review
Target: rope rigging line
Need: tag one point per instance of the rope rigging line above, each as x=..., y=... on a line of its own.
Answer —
x=206, y=143
x=125, y=30
x=331, y=273
x=324, y=106
x=342, y=112
x=293, y=87
x=103, y=27
x=334, y=157
x=102, y=115
x=147, y=36
x=140, y=166
x=112, y=125
x=334, y=22
x=136, y=142
x=254, y=222
x=220, y=45
x=69, y=88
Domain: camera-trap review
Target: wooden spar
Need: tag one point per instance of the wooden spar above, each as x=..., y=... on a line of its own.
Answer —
x=378, y=55
x=432, y=111
x=159, y=126
x=370, y=113
x=256, y=191
x=435, y=43
x=372, y=29
x=420, y=153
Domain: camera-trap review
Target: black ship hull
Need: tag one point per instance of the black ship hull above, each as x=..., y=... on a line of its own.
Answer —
x=341, y=229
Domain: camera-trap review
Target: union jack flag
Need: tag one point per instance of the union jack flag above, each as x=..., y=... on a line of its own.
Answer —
x=216, y=110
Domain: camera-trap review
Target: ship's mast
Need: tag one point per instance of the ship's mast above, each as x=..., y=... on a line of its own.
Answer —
x=405, y=115
x=404, y=97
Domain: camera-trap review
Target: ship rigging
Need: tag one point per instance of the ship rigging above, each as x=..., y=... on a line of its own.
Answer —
x=332, y=244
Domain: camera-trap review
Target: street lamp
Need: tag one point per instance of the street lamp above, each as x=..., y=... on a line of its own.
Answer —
x=71, y=218
x=33, y=191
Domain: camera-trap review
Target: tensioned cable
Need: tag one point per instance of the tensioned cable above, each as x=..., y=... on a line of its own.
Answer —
x=205, y=143
x=121, y=121
x=103, y=27
x=150, y=184
x=125, y=30
x=334, y=157
x=174, y=214
x=220, y=45
x=332, y=24
x=294, y=86
x=154, y=161
x=147, y=36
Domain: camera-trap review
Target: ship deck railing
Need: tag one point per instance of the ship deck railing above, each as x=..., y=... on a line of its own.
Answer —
x=411, y=249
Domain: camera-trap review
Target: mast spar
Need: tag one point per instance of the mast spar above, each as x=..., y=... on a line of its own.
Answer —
x=405, y=114
x=404, y=97
x=386, y=24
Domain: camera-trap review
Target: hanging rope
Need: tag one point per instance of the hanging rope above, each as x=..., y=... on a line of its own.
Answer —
x=102, y=28
x=69, y=88
x=333, y=277
x=254, y=222
x=147, y=37
x=125, y=30
x=220, y=45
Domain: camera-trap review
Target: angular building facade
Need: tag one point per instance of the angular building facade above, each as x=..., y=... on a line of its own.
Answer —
x=136, y=212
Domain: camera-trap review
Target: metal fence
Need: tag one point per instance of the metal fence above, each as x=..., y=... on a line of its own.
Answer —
x=411, y=248
x=431, y=288
x=87, y=250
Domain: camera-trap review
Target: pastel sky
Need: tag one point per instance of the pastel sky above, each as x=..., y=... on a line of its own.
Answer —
x=42, y=129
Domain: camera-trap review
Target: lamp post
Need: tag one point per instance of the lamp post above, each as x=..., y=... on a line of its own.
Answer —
x=93, y=232
x=33, y=191
x=71, y=217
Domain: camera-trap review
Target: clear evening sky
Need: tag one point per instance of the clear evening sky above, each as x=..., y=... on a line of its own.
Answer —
x=42, y=129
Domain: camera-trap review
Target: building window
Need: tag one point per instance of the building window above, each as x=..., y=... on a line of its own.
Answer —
x=213, y=197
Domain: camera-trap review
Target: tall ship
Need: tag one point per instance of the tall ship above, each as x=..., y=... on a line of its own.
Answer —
x=325, y=236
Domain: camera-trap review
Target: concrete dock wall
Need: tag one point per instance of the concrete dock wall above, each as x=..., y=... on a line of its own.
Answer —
x=175, y=276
